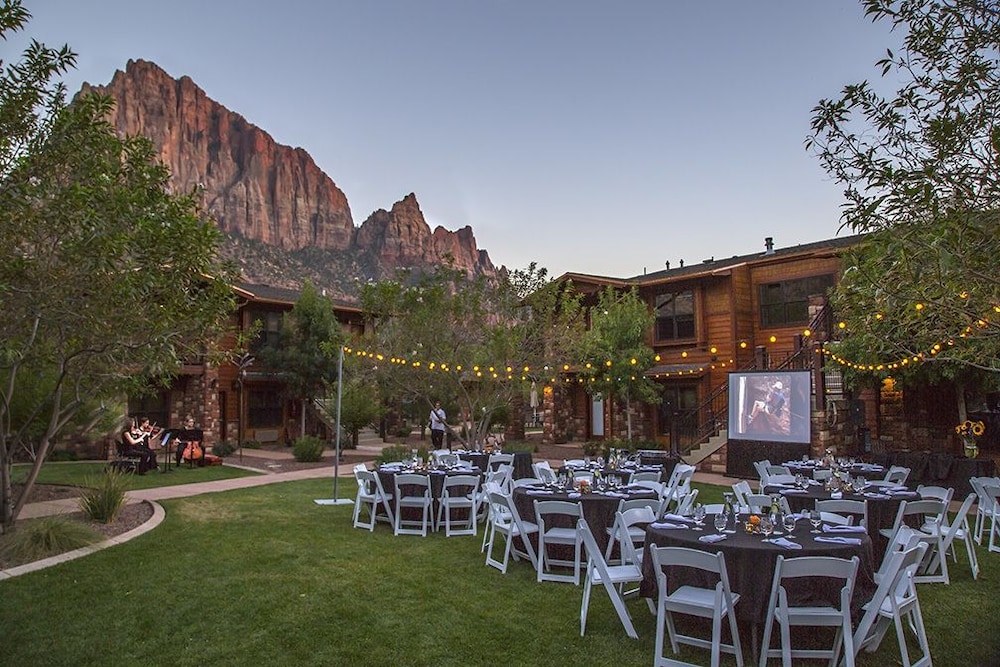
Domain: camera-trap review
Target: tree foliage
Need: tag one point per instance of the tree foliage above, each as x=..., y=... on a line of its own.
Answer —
x=616, y=356
x=107, y=280
x=300, y=357
x=473, y=344
x=919, y=166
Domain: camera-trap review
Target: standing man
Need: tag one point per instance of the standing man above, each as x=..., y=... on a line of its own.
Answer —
x=439, y=423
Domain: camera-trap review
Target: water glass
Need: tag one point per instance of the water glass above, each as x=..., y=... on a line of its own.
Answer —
x=789, y=522
x=699, y=516
x=766, y=527
x=721, y=520
x=815, y=519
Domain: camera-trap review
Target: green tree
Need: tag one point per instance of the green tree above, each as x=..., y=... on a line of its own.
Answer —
x=919, y=170
x=475, y=344
x=616, y=356
x=107, y=281
x=307, y=370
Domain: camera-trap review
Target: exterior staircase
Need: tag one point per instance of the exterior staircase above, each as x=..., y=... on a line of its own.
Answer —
x=707, y=456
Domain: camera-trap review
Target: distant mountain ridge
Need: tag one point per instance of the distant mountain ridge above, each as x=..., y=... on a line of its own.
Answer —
x=286, y=220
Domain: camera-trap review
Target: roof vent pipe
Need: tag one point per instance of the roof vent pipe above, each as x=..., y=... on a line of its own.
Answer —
x=769, y=246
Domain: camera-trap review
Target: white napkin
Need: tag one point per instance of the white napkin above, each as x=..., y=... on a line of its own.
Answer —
x=785, y=492
x=896, y=488
x=784, y=544
x=539, y=492
x=574, y=495
x=903, y=492
x=844, y=529
x=711, y=539
x=677, y=517
x=666, y=525
x=881, y=496
x=839, y=540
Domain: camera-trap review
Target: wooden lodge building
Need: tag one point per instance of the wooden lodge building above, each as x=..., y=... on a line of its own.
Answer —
x=234, y=401
x=757, y=312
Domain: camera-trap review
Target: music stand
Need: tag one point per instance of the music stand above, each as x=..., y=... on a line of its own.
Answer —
x=165, y=444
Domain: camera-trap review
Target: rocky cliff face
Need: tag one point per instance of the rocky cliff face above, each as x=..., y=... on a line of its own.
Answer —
x=265, y=192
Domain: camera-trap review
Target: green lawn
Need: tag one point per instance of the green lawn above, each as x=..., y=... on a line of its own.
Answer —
x=265, y=576
x=77, y=473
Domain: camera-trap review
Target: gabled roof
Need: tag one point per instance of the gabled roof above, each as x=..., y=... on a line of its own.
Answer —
x=714, y=266
x=284, y=296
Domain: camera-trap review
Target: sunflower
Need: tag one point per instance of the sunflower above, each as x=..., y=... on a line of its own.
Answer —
x=978, y=428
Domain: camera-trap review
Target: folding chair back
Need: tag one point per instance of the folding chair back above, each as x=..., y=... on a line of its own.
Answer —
x=610, y=576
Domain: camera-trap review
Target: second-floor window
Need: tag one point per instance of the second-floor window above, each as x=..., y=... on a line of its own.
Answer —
x=787, y=302
x=675, y=315
x=270, y=327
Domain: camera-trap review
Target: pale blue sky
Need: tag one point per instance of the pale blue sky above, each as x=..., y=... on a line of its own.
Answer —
x=596, y=137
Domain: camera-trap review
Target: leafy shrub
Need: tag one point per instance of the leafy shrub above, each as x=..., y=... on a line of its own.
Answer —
x=402, y=431
x=252, y=444
x=41, y=538
x=308, y=449
x=63, y=455
x=223, y=448
x=104, y=496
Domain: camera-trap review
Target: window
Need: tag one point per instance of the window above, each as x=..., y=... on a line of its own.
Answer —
x=787, y=302
x=156, y=407
x=264, y=408
x=675, y=315
x=270, y=328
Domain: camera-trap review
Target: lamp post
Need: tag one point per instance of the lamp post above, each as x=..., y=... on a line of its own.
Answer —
x=336, y=460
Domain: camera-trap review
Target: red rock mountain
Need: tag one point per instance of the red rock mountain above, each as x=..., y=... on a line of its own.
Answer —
x=281, y=212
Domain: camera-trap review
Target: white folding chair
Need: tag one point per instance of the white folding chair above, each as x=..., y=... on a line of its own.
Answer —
x=685, y=505
x=992, y=493
x=822, y=474
x=760, y=503
x=897, y=475
x=370, y=497
x=413, y=492
x=895, y=601
x=525, y=481
x=630, y=522
x=679, y=484
x=742, y=491
x=958, y=530
x=459, y=492
x=903, y=539
x=717, y=603
x=854, y=509
x=497, y=460
x=762, y=474
x=544, y=472
x=929, y=492
x=928, y=514
x=547, y=516
x=779, y=479
x=787, y=615
x=984, y=503
x=506, y=522
x=644, y=476
x=778, y=470
x=612, y=577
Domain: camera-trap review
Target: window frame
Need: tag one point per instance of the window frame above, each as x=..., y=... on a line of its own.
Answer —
x=775, y=313
x=675, y=319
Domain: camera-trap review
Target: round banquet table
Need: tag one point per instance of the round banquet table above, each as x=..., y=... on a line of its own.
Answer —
x=750, y=564
x=598, y=507
x=882, y=508
x=387, y=477
x=868, y=470
x=522, y=461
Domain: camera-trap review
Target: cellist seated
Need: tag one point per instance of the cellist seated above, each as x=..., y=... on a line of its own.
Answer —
x=189, y=443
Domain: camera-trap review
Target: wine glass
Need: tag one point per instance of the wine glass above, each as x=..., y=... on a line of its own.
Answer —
x=699, y=516
x=766, y=527
x=721, y=519
x=789, y=522
x=815, y=519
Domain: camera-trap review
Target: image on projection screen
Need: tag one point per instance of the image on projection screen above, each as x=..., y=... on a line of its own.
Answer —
x=769, y=406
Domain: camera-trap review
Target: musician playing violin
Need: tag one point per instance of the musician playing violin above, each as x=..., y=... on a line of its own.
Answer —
x=137, y=442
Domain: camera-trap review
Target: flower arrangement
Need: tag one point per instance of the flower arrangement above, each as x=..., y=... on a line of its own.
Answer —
x=970, y=430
